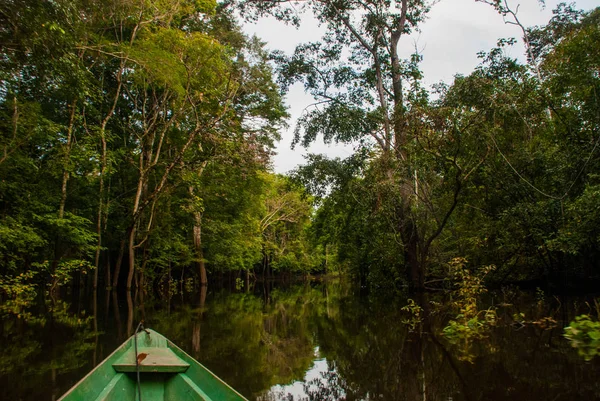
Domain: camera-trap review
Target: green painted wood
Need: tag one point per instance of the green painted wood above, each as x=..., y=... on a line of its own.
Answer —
x=161, y=360
x=119, y=388
x=162, y=376
x=211, y=384
x=151, y=338
x=90, y=387
x=153, y=388
x=182, y=388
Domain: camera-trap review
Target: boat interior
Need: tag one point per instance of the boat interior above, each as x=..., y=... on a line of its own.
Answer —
x=165, y=373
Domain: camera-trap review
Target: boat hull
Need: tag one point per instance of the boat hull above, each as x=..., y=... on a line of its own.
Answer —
x=166, y=373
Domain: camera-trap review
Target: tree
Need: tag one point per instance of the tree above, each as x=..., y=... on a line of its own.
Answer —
x=107, y=109
x=283, y=226
x=374, y=98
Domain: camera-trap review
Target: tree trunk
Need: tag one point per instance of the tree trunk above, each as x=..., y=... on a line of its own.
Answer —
x=66, y=175
x=198, y=248
x=108, y=278
x=135, y=217
x=131, y=254
x=104, y=165
x=129, y=314
x=142, y=276
x=202, y=267
x=414, y=266
x=417, y=275
x=100, y=209
x=117, y=315
x=118, y=265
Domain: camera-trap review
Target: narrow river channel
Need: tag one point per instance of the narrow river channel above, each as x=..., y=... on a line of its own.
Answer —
x=313, y=341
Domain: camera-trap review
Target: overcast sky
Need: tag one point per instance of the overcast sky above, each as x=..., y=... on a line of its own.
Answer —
x=449, y=41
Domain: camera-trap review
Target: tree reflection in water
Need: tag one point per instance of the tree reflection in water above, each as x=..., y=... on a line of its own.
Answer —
x=309, y=342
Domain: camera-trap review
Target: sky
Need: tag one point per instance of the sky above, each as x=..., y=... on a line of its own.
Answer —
x=449, y=41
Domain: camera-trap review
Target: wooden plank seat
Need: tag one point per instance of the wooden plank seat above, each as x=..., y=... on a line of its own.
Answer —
x=157, y=360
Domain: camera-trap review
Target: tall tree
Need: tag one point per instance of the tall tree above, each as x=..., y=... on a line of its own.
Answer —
x=108, y=107
x=367, y=94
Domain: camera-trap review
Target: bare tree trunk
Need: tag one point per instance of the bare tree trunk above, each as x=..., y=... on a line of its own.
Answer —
x=108, y=278
x=142, y=278
x=198, y=248
x=104, y=156
x=118, y=265
x=100, y=209
x=67, y=155
x=63, y=198
x=95, y=310
x=133, y=228
x=408, y=228
x=131, y=254
x=198, y=232
x=117, y=315
x=202, y=267
x=410, y=240
x=104, y=165
x=15, y=129
x=129, y=314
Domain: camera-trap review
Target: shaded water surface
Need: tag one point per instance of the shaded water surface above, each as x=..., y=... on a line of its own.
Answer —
x=316, y=341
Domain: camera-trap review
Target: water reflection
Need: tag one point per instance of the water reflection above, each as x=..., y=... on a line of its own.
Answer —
x=308, y=342
x=317, y=383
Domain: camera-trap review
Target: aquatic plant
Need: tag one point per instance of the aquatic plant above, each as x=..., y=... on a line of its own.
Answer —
x=470, y=323
x=584, y=335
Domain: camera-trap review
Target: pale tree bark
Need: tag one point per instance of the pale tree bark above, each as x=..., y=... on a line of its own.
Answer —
x=103, y=168
x=505, y=11
x=197, y=232
x=397, y=135
x=63, y=197
x=198, y=248
x=67, y=156
x=150, y=157
x=408, y=227
x=103, y=140
x=14, y=142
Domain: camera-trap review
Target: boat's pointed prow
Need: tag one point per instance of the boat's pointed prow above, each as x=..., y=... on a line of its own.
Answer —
x=166, y=373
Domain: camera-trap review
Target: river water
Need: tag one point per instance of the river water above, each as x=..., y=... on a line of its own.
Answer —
x=313, y=341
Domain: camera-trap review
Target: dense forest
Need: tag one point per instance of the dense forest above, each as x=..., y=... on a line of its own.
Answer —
x=136, y=141
x=455, y=254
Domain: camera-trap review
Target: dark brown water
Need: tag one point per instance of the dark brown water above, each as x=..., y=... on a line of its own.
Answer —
x=312, y=341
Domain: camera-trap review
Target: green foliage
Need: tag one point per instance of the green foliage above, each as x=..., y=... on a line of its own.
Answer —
x=284, y=226
x=471, y=323
x=111, y=114
x=62, y=273
x=16, y=241
x=415, y=312
x=152, y=125
x=18, y=293
x=584, y=335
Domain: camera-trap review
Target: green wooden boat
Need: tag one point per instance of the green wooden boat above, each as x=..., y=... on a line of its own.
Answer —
x=165, y=373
